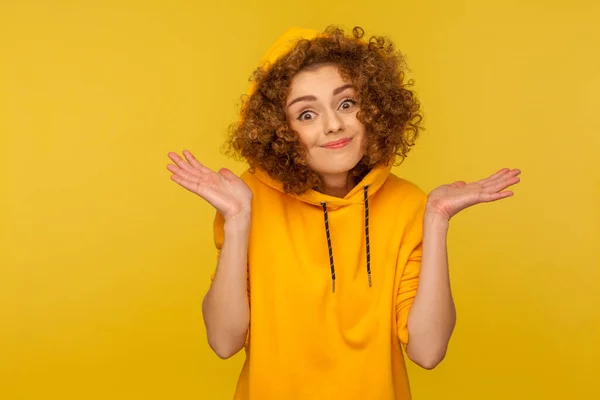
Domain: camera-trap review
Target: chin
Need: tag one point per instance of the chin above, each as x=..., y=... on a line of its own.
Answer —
x=334, y=168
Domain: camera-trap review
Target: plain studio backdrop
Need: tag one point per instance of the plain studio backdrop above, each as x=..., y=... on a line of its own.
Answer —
x=104, y=261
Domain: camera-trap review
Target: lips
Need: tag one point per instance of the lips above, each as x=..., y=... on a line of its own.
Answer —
x=337, y=144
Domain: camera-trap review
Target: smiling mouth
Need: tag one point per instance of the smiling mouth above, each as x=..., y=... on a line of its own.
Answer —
x=338, y=144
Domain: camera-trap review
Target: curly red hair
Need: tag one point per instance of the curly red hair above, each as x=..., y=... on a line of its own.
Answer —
x=389, y=110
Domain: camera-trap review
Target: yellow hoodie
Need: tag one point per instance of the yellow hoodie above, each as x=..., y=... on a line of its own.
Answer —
x=330, y=281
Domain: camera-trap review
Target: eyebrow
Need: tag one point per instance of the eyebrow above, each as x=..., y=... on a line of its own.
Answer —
x=313, y=98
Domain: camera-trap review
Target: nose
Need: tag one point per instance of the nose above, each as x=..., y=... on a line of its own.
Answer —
x=333, y=123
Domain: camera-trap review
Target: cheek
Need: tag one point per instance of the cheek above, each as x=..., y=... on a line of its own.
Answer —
x=307, y=137
x=293, y=124
x=361, y=135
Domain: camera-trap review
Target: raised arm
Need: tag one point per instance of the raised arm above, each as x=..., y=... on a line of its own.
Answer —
x=225, y=307
x=432, y=315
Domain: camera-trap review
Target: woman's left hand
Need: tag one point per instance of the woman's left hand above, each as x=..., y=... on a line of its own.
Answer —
x=447, y=200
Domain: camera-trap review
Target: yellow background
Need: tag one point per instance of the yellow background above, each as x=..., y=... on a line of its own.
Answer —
x=104, y=261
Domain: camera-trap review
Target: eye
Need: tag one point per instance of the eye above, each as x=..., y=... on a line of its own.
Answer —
x=306, y=116
x=347, y=104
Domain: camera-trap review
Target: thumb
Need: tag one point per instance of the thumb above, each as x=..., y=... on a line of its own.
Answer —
x=458, y=184
x=227, y=174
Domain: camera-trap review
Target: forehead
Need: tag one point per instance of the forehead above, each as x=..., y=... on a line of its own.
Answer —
x=318, y=79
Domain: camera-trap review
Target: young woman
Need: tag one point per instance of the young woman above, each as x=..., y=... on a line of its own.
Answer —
x=330, y=266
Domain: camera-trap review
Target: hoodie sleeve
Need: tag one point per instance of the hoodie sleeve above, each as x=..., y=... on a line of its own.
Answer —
x=409, y=263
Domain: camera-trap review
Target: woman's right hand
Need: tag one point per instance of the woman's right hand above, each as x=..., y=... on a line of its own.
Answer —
x=223, y=189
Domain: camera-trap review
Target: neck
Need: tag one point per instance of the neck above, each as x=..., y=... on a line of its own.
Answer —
x=336, y=185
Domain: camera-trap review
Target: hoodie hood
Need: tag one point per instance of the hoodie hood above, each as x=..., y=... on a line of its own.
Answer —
x=282, y=46
x=373, y=181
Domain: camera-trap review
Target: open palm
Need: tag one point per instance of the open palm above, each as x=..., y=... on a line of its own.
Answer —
x=223, y=189
x=448, y=200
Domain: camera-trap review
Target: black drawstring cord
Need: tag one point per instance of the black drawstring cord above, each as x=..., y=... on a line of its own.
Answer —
x=367, y=234
x=367, y=239
x=331, y=264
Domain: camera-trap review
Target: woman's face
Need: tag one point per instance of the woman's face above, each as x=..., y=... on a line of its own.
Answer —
x=321, y=108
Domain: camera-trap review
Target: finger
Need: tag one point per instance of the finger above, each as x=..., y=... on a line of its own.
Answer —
x=510, y=173
x=194, y=162
x=494, y=176
x=181, y=163
x=489, y=197
x=502, y=184
x=175, y=170
x=515, y=172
